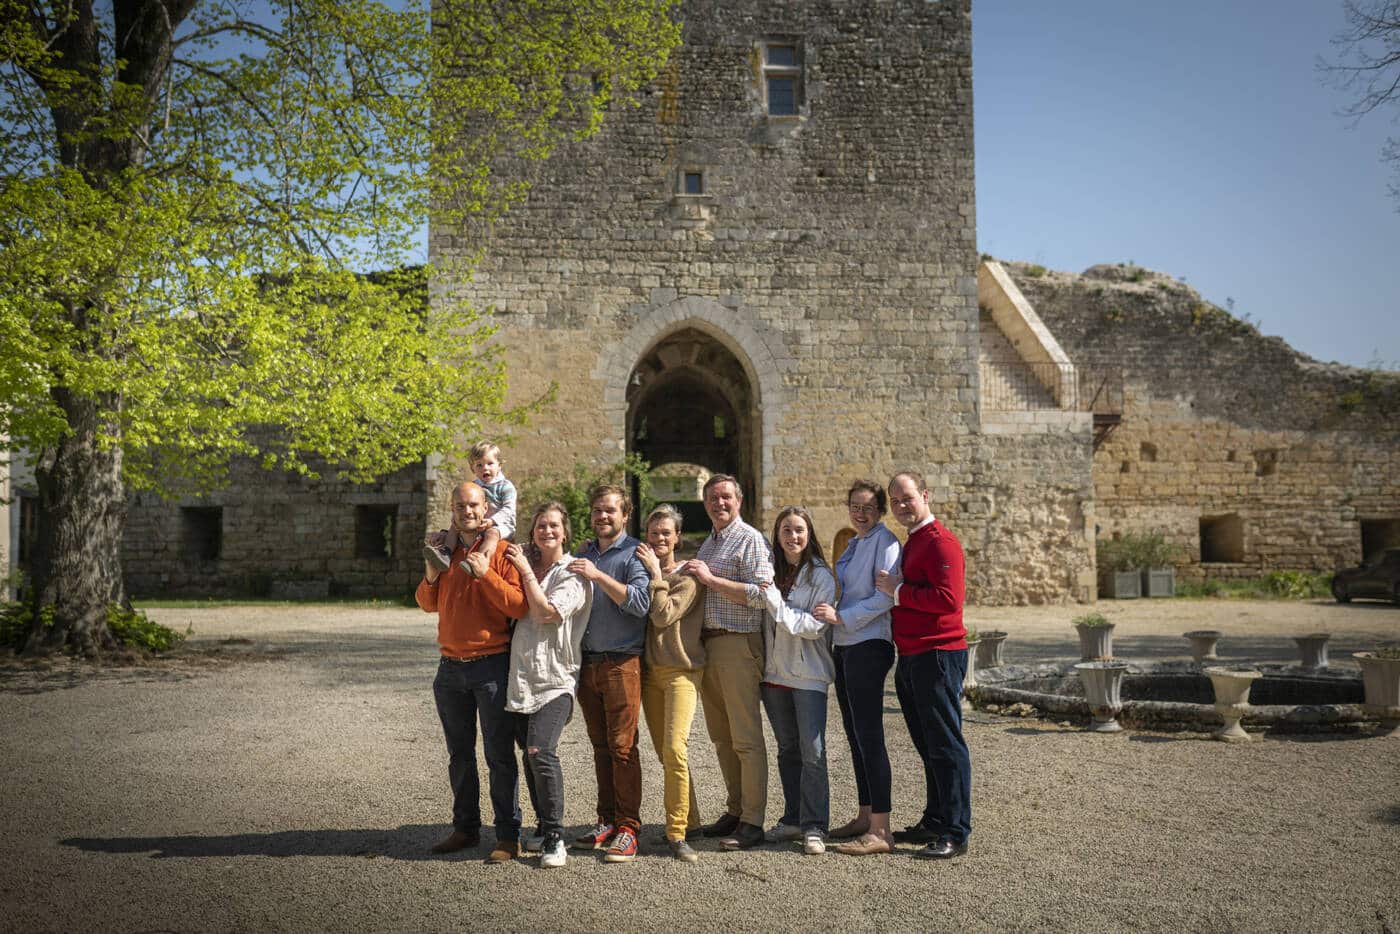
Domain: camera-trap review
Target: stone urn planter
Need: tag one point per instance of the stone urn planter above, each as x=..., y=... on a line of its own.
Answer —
x=1312, y=650
x=970, y=679
x=1380, y=677
x=1095, y=637
x=989, y=648
x=1103, y=688
x=1231, y=699
x=1203, y=644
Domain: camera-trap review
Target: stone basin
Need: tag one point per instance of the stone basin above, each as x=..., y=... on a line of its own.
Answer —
x=1178, y=696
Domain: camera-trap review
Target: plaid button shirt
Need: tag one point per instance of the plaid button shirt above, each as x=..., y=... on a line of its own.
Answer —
x=738, y=553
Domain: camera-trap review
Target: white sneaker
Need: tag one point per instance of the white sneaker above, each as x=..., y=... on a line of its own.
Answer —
x=553, y=853
x=783, y=833
x=813, y=843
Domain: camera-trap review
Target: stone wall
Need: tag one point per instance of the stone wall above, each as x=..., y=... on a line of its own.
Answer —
x=279, y=535
x=1284, y=459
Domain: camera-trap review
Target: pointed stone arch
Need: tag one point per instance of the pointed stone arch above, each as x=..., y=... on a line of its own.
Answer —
x=716, y=350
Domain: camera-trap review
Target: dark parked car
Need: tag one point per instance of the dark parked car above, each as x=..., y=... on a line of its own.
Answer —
x=1380, y=579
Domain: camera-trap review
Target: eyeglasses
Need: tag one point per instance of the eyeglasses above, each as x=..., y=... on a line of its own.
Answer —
x=864, y=509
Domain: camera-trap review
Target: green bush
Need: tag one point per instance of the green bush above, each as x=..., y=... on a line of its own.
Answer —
x=1035, y=271
x=1094, y=620
x=136, y=629
x=1134, y=550
x=1297, y=585
x=572, y=492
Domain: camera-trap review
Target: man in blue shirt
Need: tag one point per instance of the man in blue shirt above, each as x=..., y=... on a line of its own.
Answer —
x=610, y=681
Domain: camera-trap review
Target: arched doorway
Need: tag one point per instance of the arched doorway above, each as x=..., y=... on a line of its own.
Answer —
x=690, y=401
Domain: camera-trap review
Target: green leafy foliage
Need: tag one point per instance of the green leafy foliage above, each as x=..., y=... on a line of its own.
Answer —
x=1134, y=550
x=1091, y=620
x=1276, y=585
x=571, y=491
x=179, y=242
x=137, y=630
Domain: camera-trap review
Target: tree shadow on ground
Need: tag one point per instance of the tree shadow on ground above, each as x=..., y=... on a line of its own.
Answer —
x=407, y=842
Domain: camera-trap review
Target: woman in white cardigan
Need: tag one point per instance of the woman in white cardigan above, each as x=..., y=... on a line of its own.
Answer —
x=545, y=655
x=797, y=672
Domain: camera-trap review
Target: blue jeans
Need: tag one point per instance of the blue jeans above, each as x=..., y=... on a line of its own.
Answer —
x=929, y=686
x=465, y=693
x=861, y=670
x=799, y=725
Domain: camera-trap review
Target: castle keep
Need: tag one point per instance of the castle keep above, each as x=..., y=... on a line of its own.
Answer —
x=769, y=268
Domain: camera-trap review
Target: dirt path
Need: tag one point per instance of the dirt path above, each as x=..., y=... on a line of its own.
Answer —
x=298, y=788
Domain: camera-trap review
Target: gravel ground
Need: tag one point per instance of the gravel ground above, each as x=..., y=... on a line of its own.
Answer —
x=291, y=774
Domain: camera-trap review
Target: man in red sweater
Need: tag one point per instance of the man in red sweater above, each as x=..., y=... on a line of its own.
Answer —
x=474, y=613
x=927, y=620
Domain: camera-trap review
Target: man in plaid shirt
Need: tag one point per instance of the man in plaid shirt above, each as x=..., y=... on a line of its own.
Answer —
x=734, y=565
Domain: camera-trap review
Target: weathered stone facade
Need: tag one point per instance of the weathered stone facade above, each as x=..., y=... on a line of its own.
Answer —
x=280, y=535
x=1240, y=449
x=791, y=298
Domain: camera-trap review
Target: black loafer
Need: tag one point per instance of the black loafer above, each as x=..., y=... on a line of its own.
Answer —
x=723, y=827
x=915, y=833
x=942, y=849
x=746, y=837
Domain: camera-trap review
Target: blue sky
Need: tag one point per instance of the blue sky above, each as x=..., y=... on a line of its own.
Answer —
x=1193, y=138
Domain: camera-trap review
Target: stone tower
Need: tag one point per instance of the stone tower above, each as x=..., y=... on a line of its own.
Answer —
x=769, y=268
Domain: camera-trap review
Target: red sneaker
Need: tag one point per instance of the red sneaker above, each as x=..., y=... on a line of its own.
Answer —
x=623, y=848
x=597, y=838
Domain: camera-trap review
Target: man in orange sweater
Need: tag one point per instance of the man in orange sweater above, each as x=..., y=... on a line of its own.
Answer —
x=474, y=613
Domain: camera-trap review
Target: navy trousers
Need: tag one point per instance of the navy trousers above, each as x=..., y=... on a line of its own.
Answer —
x=929, y=687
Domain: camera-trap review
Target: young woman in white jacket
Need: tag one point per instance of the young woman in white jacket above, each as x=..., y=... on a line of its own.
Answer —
x=797, y=673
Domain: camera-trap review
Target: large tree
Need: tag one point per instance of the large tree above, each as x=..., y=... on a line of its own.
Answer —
x=1368, y=66
x=189, y=191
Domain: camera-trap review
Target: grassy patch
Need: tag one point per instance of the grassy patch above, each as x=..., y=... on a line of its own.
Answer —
x=1276, y=585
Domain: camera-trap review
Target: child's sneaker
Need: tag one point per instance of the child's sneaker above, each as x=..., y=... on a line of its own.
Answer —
x=438, y=558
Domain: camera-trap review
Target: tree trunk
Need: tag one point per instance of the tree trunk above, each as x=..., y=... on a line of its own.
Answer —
x=77, y=564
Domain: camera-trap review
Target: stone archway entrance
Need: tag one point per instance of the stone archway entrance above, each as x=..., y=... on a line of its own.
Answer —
x=689, y=401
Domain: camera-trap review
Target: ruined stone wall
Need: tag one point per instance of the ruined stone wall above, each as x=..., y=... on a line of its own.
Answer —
x=281, y=536
x=832, y=254
x=1220, y=421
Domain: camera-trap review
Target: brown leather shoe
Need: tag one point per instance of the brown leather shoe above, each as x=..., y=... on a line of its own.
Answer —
x=868, y=845
x=504, y=851
x=457, y=840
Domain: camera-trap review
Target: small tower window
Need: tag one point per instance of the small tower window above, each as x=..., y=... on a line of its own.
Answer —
x=782, y=79
x=693, y=183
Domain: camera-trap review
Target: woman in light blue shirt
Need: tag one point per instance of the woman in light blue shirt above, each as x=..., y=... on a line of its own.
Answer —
x=864, y=653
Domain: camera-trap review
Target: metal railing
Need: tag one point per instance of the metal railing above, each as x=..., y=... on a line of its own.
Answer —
x=1018, y=386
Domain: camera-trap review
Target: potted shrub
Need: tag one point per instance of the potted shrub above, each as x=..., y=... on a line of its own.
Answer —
x=1103, y=689
x=1380, y=676
x=1231, y=686
x=1120, y=576
x=1095, y=636
x=1156, y=558
x=989, y=648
